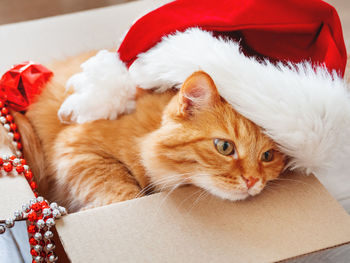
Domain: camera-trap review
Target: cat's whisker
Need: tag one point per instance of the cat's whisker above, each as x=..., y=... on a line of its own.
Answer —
x=271, y=188
x=171, y=179
x=292, y=180
x=156, y=183
x=277, y=187
x=201, y=196
x=188, y=197
x=168, y=194
x=296, y=181
x=166, y=184
x=159, y=182
x=144, y=190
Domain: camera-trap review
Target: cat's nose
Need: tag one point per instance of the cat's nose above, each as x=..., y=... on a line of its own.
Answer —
x=250, y=181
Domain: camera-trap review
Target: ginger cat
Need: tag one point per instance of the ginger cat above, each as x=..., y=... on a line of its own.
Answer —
x=191, y=136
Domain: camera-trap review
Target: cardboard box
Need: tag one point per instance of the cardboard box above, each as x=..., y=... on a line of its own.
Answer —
x=295, y=217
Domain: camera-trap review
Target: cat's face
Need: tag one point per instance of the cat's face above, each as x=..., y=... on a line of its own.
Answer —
x=205, y=142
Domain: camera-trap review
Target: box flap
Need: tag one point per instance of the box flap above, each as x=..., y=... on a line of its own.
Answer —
x=14, y=192
x=294, y=216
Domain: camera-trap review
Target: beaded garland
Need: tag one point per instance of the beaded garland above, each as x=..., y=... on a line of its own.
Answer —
x=38, y=212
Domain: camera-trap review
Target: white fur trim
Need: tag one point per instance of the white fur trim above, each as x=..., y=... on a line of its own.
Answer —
x=103, y=90
x=306, y=112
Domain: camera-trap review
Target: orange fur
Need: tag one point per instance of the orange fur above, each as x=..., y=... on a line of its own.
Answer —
x=166, y=142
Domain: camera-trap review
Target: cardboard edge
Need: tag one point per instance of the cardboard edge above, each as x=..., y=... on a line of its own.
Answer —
x=313, y=252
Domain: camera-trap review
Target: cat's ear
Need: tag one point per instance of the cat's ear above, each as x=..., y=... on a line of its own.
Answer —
x=198, y=92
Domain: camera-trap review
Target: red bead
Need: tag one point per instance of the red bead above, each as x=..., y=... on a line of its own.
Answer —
x=34, y=261
x=44, y=205
x=16, y=136
x=33, y=185
x=35, y=194
x=8, y=167
x=32, y=229
x=32, y=241
x=19, y=169
x=13, y=157
x=32, y=217
x=13, y=126
x=9, y=118
x=4, y=111
x=23, y=161
x=42, y=254
x=19, y=146
x=42, y=243
x=36, y=207
x=2, y=104
x=33, y=252
x=28, y=175
x=1, y=161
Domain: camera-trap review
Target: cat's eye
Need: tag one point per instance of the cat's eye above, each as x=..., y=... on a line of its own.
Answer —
x=224, y=147
x=267, y=156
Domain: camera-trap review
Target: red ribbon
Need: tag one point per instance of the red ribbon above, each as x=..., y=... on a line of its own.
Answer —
x=22, y=83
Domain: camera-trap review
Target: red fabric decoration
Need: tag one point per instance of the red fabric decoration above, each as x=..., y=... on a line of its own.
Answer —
x=20, y=85
x=288, y=30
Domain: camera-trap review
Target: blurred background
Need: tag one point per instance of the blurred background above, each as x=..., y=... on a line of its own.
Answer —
x=12, y=11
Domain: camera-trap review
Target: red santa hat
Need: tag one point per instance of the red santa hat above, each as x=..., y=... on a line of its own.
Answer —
x=279, y=63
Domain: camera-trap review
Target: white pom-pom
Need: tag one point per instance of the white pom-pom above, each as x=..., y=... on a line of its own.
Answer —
x=103, y=90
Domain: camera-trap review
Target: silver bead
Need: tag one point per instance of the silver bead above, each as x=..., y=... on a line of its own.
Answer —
x=26, y=167
x=48, y=234
x=39, y=198
x=56, y=213
x=32, y=201
x=38, y=259
x=13, y=143
x=9, y=222
x=5, y=157
x=26, y=208
x=62, y=210
x=7, y=127
x=53, y=205
x=18, y=215
x=16, y=161
x=53, y=258
x=46, y=211
x=50, y=222
x=2, y=229
x=38, y=248
x=50, y=247
x=40, y=224
x=3, y=119
x=18, y=153
x=38, y=236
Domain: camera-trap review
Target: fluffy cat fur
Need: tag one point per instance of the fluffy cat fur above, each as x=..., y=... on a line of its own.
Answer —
x=166, y=142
